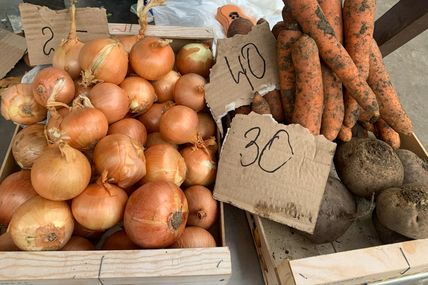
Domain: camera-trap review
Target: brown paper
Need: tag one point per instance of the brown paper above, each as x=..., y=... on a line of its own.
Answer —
x=244, y=64
x=13, y=48
x=45, y=29
x=275, y=171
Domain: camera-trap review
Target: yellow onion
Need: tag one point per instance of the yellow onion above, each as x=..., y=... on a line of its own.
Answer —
x=164, y=87
x=201, y=166
x=179, y=125
x=195, y=58
x=130, y=127
x=194, y=237
x=28, y=144
x=53, y=85
x=155, y=139
x=151, y=118
x=77, y=243
x=140, y=92
x=206, y=126
x=189, y=91
x=111, y=100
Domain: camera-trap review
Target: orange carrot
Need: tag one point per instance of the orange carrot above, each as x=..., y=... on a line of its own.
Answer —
x=287, y=17
x=313, y=22
x=278, y=27
x=384, y=132
x=287, y=76
x=333, y=13
x=332, y=117
x=244, y=110
x=260, y=105
x=389, y=103
x=309, y=90
x=273, y=98
x=345, y=134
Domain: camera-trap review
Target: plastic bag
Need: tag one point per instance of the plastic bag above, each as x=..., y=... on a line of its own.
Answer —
x=201, y=13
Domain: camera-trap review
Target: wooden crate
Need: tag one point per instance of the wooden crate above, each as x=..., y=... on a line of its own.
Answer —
x=162, y=266
x=358, y=257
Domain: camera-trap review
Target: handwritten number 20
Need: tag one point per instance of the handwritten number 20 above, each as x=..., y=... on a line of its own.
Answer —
x=258, y=155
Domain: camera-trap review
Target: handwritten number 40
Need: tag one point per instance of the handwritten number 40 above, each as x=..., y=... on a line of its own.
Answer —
x=259, y=153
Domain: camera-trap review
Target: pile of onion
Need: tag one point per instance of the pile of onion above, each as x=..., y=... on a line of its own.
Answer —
x=155, y=139
x=156, y=214
x=189, y=91
x=28, y=145
x=140, y=92
x=100, y=206
x=194, y=237
x=201, y=166
x=41, y=224
x=130, y=127
x=103, y=60
x=15, y=190
x=164, y=163
x=60, y=173
x=19, y=105
x=119, y=241
x=53, y=85
x=164, y=87
x=122, y=157
x=111, y=100
x=66, y=55
x=202, y=206
x=77, y=243
x=151, y=118
x=195, y=58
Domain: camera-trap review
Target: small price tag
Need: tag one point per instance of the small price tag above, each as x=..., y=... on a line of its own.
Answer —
x=45, y=29
x=244, y=64
x=273, y=170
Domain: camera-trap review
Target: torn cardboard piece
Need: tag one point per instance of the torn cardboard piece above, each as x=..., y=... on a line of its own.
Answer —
x=13, y=48
x=275, y=171
x=45, y=28
x=244, y=64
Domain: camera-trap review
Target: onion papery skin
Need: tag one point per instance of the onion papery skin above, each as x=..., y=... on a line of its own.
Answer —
x=195, y=237
x=60, y=173
x=28, y=144
x=203, y=208
x=201, y=166
x=77, y=243
x=15, y=190
x=151, y=58
x=66, y=57
x=19, y=105
x=140, y=92
x=164, y=87
x=206, y=126
x=100, y=206
x=122, y=157
x=111, y=100
x=195, y=58
x=41, y=224
x=119, y=241
x=53, y=85
x=179, y=125
x=130, y=127
x=128, y=41
x=104, y=60
x=151, y=118
x=156, y=214
x=164, y=163
x=155, y=139
x=189, y=91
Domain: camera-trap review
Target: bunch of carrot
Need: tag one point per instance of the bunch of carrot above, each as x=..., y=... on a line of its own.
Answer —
x=331, y=72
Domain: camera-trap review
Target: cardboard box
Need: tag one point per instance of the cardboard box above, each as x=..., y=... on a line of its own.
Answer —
x=162, y=266
x=357, y=257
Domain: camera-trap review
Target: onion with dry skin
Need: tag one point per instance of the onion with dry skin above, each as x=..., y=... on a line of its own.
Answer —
x=111, y=100
x=66, y=55
x=140, y=92
x=81, y=89
x=179, y=125
x=82, y=127
x=15, y=190
x=41, y=224
x=195, y=58
x=100, y=206
x=60, y=173
x=151, y=118
x=164, y=163
x=156, y=214
x=155, y=139
x=86, y=233
x=77, y=243
x=206, y=126
x=53, y=85
x=152, y=57
x=55, y=118
x=130, y=127
x=201, y=166
x=122, y=157
x=189, y=91
x=6, y=243
x=119, y=241
x=194, y=237
x=28, y=144
x=19, y=105
x=164, y=87
x=103, y=60
x=202, y=206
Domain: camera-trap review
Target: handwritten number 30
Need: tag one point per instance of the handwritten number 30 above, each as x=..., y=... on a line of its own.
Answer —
x=258, y=157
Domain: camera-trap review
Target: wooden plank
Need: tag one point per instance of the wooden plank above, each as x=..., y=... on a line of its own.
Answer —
x=210, y=265
x=403, y=22
x=363, y=265
x=170, y=32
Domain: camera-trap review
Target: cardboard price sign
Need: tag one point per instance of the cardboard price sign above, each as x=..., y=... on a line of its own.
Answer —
x=244, y=64
x=45, y=29
x=273, y=170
